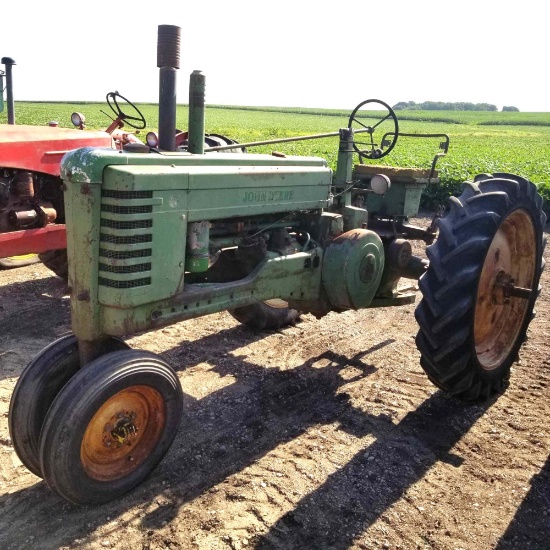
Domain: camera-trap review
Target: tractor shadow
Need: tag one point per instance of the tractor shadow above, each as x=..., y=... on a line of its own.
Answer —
x=40, y=302
x=230, y=431
x=231, y=428
x=530, y=527
x=357, y=494
x=36, y=312
x=33, y=313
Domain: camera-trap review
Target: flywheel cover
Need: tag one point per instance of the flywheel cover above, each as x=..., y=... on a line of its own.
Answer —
x=352, y=268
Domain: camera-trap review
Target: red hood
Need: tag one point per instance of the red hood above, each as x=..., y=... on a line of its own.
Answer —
x=41, y=148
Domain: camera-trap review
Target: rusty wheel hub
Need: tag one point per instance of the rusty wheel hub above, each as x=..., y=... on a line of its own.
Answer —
x=121, y=430
x=504, y=289
x=123, y=433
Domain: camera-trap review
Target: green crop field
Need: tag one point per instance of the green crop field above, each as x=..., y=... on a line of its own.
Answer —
x=480, y=142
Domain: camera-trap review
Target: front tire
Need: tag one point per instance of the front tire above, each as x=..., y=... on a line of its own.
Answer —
x=110, y=426
x=36, y=389
x=481, y=285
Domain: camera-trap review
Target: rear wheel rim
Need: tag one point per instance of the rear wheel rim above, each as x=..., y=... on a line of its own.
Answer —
x=498, y=320
x=123, y=432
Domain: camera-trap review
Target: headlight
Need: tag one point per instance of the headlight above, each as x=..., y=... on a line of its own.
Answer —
x=152, y=139
x=380, y=183
x=78, y=119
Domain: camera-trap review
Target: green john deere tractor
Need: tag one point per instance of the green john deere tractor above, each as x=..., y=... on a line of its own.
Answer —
x=174, y=229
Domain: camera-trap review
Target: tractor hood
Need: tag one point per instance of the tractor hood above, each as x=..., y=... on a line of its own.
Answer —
x=41, y=148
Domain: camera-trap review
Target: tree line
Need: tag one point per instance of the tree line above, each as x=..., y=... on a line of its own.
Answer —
x=448, y=106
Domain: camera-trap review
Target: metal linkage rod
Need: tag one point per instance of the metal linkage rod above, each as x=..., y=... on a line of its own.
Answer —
x=281, y=140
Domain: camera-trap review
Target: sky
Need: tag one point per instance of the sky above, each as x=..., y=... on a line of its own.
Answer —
x=299, y=53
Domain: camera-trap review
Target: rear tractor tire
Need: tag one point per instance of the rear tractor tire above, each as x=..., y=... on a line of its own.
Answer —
x=268, y=315
x=481, y=285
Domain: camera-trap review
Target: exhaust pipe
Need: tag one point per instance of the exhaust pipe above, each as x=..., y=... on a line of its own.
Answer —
x=168, y=61
x=196, y=113
x=8, y=62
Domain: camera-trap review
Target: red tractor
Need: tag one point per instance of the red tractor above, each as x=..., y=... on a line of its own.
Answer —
x=32, y=217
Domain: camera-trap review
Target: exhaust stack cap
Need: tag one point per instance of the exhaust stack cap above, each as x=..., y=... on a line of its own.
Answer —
x=168, y=46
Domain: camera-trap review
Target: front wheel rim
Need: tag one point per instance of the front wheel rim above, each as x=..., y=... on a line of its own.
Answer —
x=123, y=433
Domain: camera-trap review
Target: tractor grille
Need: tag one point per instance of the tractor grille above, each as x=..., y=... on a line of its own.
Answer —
x=126, y=234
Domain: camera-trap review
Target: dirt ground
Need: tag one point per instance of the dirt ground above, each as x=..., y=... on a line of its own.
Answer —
x=324, y=435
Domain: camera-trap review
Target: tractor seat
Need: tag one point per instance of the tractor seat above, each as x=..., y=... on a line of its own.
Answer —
x=396, y=173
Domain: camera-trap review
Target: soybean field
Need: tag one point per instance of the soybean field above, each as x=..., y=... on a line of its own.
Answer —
x=480, y=142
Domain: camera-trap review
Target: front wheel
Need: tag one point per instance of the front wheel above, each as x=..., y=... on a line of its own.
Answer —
x=110, y=426
x=36, y=389
x=481, y=285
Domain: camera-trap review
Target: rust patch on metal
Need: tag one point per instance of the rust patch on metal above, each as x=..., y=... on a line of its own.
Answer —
x=83, y=296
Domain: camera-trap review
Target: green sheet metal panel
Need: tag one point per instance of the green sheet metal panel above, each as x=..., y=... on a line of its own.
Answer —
x=87, y=164
x=133, y=244
x=402, y=199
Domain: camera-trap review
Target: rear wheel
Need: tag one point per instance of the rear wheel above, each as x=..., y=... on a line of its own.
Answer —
x=270, y=314
x=481, y=285
x=37, y=387
x=110, y=426
x=56, y=261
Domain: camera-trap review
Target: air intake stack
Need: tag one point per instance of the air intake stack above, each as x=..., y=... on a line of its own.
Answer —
x=8, y=62
x=168, y=61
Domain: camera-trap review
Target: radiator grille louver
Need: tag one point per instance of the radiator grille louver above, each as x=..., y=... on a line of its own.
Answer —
x=125, y=268
x=124, y=254
x=117, y=224
x=126, y=229
x=116, y=209
x=132, y=239
x=109, y=194
x=124, y=284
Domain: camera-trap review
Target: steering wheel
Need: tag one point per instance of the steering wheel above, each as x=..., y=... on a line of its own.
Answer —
x=137, y=121
x=387, y=126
